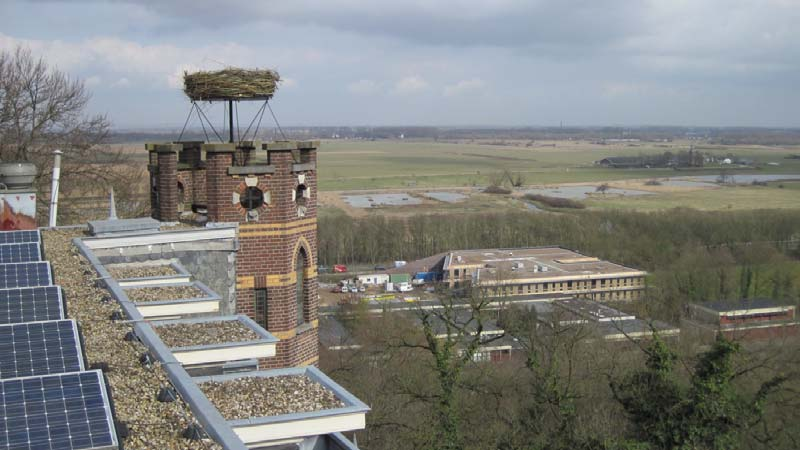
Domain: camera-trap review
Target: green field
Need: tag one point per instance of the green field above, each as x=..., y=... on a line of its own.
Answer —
x=725, y=198
x=370, y=165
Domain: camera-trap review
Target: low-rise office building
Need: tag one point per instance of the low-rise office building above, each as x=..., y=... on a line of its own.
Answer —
x=542, y=270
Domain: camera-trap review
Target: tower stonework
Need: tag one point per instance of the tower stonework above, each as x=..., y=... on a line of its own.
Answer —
x=270, y=190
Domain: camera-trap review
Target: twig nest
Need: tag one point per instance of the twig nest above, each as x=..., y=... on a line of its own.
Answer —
x=231, y=84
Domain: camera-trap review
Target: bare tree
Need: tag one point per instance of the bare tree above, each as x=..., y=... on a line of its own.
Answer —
x=43, y=109
x=498, y=178
x=517, y=179
x=453, y=333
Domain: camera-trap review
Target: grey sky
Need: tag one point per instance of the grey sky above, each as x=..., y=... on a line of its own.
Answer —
x=418, y=62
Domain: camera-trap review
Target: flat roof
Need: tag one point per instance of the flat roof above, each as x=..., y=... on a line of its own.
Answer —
x=634, y=328
x=748, y=304
x=138, y=383
x=596, y=312
x=535, y=263
x=133, y=385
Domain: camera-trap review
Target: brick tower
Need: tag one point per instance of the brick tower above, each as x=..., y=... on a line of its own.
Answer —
x=271, y=191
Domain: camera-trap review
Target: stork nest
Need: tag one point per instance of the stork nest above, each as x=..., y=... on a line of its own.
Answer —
x=231, y=84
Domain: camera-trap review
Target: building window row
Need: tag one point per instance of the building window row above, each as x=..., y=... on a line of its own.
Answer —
x=572, y=286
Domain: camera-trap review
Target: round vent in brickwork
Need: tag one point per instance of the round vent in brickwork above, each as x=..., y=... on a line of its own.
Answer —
x=252, y=198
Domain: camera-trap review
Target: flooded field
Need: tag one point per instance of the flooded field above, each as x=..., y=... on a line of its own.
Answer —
x=449, y=197
x=582, y=192
x=533, y=208
x=672, y=182
x=372, y=200
x=745, y=178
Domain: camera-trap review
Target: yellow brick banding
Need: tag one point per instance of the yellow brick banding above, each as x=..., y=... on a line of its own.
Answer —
x=310, y=361
x=276, y=280
x=270, y=226
x=284, y=232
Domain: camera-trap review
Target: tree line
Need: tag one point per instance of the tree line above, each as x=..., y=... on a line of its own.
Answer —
x=644, y=240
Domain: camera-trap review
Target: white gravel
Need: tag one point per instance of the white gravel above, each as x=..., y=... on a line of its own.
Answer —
x=152, y=424
x=246, y=397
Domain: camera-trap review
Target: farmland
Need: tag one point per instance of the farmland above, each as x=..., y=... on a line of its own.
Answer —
x=354, y=164
x=415, y=167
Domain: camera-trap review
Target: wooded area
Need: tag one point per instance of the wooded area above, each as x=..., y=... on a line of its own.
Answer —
x=569, y=393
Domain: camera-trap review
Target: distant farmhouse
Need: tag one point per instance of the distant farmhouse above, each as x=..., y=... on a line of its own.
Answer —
x=689, y=158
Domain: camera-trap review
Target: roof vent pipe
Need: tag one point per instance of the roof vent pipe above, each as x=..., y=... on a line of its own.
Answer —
x=112, y=213
x=54, y=187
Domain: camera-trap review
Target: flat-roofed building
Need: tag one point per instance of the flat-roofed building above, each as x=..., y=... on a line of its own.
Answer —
x=751, y=319
x=542, y=270
x=600, y=321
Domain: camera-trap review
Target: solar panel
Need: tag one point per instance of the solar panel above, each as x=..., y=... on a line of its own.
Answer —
x=25, y=274
x=18, y=253
x=18, y=237
x=31, y=304
x=39, y=348
x=64, y=411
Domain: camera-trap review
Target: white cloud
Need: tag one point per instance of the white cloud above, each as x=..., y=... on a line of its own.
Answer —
x=175, y=79
x=162, y=64
x=619, y=89
x=363, y=87
x=93, y=80
x=122, y=82
x=410, y=85
x=288, y=83
x=472, y=86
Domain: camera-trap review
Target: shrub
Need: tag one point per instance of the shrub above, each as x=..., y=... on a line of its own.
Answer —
x=555, y=202
x=496, y=190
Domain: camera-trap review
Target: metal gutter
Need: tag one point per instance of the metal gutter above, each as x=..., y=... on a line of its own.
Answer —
x=162, y=237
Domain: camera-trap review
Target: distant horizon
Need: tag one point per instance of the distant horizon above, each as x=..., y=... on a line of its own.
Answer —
x=177, y=127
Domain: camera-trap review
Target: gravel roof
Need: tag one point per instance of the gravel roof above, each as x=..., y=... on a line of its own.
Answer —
x=247, y=397
x=205, y=333
x=121, y=272
x=152, y=425
x=160, y=293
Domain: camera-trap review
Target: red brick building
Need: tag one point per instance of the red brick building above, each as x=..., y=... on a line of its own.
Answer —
x=270, y=190
x=748, y=319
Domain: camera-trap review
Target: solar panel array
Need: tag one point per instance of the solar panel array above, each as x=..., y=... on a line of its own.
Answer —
x=64, y=411
x=25, y=274
x=39, y=348
x=47, y=400
x=19, y=237
x=19, y=253
x=31, y=304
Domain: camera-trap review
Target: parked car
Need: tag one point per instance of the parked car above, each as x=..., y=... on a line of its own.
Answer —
x=340, y=268
x=380, y=268
x=354, y=289
x=323, y=269
x=362, y=289
x=345, y=289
